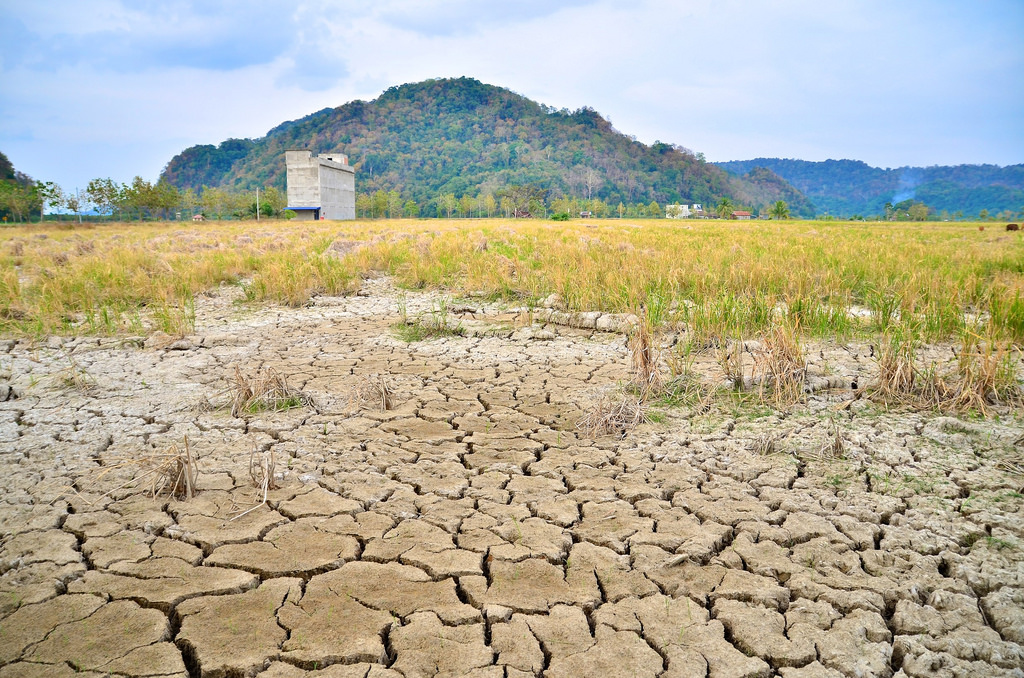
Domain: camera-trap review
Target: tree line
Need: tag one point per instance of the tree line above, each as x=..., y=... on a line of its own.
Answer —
x=140, y=199
x=512, y=202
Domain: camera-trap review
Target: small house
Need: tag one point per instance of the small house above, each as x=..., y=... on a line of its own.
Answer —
x=741, y=214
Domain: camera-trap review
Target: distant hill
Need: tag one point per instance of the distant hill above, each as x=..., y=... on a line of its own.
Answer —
x=761, y=186
x=464, y=137
x=847, y=187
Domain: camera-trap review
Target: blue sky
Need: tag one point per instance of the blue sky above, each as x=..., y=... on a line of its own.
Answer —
x=115, y=88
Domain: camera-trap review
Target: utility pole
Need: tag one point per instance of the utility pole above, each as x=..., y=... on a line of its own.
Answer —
x=257, y=203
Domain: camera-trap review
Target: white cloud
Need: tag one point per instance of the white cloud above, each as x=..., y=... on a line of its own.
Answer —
x=121, y=86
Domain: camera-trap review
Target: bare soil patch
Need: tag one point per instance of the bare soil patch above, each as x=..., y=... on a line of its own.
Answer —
x=434, y=509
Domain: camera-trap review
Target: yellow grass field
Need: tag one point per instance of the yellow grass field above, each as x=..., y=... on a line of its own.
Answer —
x=828, y=279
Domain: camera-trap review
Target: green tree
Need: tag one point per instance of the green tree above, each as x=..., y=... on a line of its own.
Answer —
x=394, y=205
x=215, y=202
x=51, y=195
x=725, y=208
x=190, y=201
x=75, y=202
x=411, y=209
x=918, y=212
x=490, y=205
x=364, y=205
x=780, y=210
x=107, y=196
x=446, y=204
x=466, y=204
x=983, y=215
x=522, y=198
x=18, y=200
x=379, y=202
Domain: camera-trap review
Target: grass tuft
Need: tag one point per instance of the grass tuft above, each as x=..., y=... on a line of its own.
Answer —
x=173, y=473
x=265, y=390
x=375, y=391
x=613, y=415
x=780, y=368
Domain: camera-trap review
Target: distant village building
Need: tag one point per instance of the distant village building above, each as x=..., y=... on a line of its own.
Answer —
x=684, y=211
x=740, y=214
x=323, y=187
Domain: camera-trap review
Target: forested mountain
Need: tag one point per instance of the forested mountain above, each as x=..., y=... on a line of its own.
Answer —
x=463, y=137
x=845, y=188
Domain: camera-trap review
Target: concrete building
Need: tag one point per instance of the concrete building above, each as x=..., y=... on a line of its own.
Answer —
x=323, y=187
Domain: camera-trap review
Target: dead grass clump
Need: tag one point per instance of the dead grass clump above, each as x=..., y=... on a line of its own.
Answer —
x=764, y=444
x=173, y=473
x=262, y=469
x=75, y=377
x=613, y=416
x=897, y=372
x=374, y=391
x=266, y=390
x=985, y=376
x=780, y=368
x=263, y=474
x=646, y=377
x=834, y=448
x=730, y=357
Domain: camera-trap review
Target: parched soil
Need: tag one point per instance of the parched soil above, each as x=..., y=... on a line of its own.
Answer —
x=470, y=530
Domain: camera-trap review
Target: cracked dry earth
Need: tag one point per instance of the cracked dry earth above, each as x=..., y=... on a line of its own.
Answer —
x=470, y=531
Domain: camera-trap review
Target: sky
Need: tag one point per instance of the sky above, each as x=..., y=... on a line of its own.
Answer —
x=115, y=88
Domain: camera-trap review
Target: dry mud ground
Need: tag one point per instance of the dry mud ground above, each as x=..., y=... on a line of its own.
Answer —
x=469, y=531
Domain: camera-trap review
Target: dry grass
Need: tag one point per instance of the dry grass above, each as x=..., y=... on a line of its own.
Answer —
x=374, y=391
x=897, y=381
x=263, y=474
x=262, y=469
x=613, y=415
x=265, y=390
x=646, y=360
x=780, y=368
x=730, y=358
x=734, y=277
x=173, y=473
x=764, y=444
x=835, y=448
x=75, y=377
x=985, y=375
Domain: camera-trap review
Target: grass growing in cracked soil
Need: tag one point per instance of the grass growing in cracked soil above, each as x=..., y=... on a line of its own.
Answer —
x=720, y=279
x=266, y=390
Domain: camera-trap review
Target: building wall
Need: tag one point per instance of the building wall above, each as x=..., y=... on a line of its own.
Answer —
x=303, y=179
x=337, y=190
x=326, y=182
x=305, y=215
